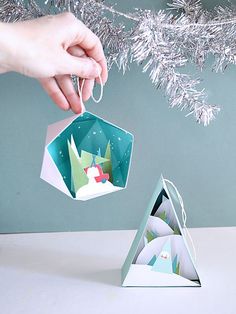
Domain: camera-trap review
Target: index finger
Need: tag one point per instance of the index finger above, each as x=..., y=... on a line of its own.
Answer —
x=92, y=46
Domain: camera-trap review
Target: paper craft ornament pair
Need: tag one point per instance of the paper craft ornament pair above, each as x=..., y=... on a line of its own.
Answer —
x=86, y=156
x=159, y=254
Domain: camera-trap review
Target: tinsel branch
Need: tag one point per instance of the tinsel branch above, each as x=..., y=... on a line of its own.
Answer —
x=161, y=42
x=13, y=11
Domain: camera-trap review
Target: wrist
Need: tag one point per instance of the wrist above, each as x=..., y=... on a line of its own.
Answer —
x=6, y=51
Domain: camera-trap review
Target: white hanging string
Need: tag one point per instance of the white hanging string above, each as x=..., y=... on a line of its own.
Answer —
x=80, y=91
x=184, y=217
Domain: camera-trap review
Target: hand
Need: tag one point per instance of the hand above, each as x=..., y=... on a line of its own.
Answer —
x=50, y=49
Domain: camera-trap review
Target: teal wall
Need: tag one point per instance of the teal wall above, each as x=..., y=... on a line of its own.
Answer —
x=201, y=161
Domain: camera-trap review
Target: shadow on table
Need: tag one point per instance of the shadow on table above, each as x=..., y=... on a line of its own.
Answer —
x=109, y=277
x=76, y=266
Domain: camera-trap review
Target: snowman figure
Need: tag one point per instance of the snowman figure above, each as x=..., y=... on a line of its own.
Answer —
x=165, y=255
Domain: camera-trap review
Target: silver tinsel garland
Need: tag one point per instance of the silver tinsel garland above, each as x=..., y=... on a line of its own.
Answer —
x=161, y=42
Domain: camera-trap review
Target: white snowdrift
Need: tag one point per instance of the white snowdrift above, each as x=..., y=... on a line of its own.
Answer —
x=178, y=247
x=142, y=275
x=95, y=189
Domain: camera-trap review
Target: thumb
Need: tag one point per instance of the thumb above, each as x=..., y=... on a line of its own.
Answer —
x=84, y=67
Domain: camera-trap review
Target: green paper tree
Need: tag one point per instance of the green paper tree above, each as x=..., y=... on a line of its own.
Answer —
x=78, y=175
x=177, y=269
x=176, y=230
x=163, y=216
x=150, y=236
x=175, y=265
x=87, y=159
x=107, y=167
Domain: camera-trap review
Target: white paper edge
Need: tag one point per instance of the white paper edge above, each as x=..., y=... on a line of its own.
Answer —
x=56, y=128
x=52, y=175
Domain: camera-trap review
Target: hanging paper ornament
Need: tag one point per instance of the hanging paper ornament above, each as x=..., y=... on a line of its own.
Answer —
x=86, y=156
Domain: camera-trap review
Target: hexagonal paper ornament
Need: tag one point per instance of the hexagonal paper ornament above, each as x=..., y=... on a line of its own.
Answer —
x=86, y=156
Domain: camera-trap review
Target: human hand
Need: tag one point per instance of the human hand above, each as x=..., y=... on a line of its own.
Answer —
x=50, y=49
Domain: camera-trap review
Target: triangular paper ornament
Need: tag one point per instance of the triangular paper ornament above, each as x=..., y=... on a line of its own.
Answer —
x=159, y=255
x=86, y=156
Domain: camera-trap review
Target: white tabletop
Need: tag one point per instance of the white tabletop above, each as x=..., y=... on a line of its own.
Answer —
x=79, y=273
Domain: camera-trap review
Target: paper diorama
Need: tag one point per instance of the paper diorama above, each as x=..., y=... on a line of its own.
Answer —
x=159, y=255
x=86, y=156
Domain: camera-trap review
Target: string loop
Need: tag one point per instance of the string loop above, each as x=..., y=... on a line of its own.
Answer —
x=184, y=217
x=80, y=91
